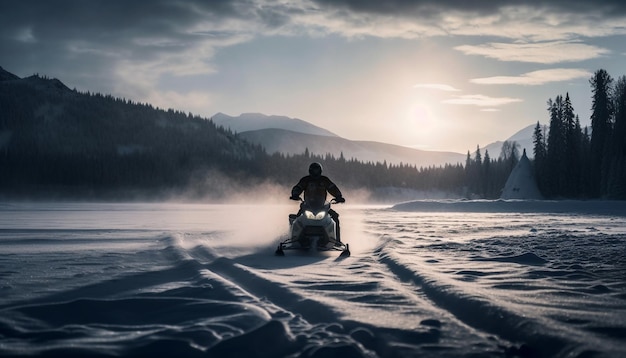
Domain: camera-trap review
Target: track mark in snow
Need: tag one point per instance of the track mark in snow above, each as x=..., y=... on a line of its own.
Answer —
x=478, y=312
x=312, y=306
x=270, y=292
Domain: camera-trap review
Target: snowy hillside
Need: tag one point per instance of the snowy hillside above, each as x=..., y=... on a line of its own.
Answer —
x=255, y=121
x=277, y=140
x=292, y=136
x=523, y=137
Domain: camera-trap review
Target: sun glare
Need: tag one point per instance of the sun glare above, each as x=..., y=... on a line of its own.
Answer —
x=420, y=124
x=420, y=115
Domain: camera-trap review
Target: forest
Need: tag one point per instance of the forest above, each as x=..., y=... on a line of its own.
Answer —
x=572, y=162
x=60, y=143
x=569, y=161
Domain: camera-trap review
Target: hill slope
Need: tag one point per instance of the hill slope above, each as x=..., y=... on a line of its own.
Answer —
x=255, y=121
x=281, y=134
x=56, y=139
x=59, y=143
x=289, y=142
x=523, y=137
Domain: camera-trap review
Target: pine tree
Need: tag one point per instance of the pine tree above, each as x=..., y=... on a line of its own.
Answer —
x=600, y=130
x=555, y=158
x=487, y=176
x=571, y=167
x=617, y=180
x=477, y=172
x=540, y=152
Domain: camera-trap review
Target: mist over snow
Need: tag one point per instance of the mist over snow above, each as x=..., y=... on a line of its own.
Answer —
x=435, y=278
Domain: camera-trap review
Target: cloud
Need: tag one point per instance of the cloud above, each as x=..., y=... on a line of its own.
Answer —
x=533, y=20
x=436, y=86
x=143, y=29
x=544, y=52
x=194, y=101
x=395, y=7
x=481, y=100
x=536, y=78
x=25, y=35
x=129, y=47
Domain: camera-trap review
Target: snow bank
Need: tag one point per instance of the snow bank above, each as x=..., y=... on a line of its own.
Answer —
x=592, y=207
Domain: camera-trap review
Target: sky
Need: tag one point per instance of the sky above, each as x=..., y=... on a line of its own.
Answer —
x=429, y=74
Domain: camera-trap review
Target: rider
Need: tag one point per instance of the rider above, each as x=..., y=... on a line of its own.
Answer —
x=315, y=186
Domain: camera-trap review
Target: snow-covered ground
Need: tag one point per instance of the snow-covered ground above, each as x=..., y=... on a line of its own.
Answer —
x=440, y=279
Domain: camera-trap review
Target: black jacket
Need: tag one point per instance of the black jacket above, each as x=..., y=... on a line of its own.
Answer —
x=315, y=189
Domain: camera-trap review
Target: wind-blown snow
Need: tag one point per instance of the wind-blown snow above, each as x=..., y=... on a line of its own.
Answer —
x=428, y=278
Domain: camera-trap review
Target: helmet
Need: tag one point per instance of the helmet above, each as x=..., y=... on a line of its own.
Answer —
x=315, y=170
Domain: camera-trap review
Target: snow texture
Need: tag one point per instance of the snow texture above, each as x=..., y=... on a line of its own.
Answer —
x=425, y=279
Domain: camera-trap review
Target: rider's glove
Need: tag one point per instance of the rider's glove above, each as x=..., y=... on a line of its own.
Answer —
x=294, y=197
x=340, y=200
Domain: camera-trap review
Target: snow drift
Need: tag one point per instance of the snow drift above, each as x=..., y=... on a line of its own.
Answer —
x=201, y=280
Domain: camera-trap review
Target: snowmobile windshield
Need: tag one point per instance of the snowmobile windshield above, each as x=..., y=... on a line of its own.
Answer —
x=316, y=206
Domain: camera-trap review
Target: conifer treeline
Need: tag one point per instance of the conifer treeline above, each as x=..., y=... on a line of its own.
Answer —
x=53, y=139
x=57, y=142
x=569, y=161
x=355, y=174
x=485, y=177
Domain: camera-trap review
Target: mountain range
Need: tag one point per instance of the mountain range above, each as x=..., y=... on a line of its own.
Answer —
x=293, y=136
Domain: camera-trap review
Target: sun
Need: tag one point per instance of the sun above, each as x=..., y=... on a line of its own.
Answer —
x=420, y=126
x=420, y=115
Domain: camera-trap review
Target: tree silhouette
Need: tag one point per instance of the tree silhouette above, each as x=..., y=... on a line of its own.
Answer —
x=600, y=128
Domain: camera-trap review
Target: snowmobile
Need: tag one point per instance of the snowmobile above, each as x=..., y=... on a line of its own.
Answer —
x=314, y=229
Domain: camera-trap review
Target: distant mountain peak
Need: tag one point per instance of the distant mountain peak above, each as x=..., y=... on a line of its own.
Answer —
x=255, y=115
x=246, y=122
x=7, y=76
x=523, y=137
x=37, y=80
x=48, y=83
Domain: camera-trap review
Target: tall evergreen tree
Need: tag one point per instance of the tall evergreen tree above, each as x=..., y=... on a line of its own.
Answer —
x=617, y=179
x=477, y=177
x=555, y=157
x=487, y=176
x=601, y=107
x=571, y=167
x=581, y=163
x=478, y=158
x=540, y=152
x=585, y=160
x=468, y=172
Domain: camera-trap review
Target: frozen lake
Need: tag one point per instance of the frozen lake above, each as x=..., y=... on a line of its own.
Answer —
x=440, y=279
